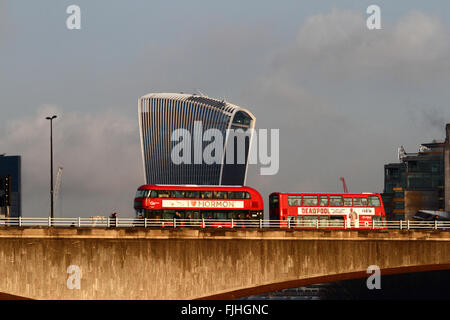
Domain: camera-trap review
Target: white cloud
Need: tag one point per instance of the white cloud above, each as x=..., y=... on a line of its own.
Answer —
x=339, y=44
x=340, y=94
x=342, y=97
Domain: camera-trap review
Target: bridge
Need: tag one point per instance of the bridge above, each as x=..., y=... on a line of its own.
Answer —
x=202, y=263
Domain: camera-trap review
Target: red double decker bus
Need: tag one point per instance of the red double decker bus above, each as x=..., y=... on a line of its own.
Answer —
x=198, y=202
x=327, y=210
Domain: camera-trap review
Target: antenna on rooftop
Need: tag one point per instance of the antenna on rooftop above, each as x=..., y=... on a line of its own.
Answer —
x=401, y=153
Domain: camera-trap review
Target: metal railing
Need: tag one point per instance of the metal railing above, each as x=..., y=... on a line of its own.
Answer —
x=216, y=223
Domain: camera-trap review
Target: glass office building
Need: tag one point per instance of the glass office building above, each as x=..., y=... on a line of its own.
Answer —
x=415, y=183
x=11, y=166
x=161, y=114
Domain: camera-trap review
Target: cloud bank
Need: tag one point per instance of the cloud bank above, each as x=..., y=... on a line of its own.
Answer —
x=99, y=153
x=344, y=98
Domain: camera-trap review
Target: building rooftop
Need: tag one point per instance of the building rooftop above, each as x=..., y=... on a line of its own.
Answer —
x=222, y=105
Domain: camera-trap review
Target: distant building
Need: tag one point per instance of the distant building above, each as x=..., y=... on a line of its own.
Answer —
x=160, y=114
x=419, y=181
x=11, y=166
x=447, y=168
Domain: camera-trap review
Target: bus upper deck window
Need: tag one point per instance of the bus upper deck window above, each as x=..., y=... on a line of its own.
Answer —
x=336, y=201
x=220, y=195
x=347, y=202
x=374, y=201
x=163, y=194
x=364, y=202
x=191, y=194
x=153, y=194
x=323, y=201
x=310, y=200
x=239, y=195
x=206, y=194
x=294, y=201
x=230, y=195
x=177, y=194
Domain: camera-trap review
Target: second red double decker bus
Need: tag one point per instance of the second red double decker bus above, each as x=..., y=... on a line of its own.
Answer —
x=322, y=210
x=198, y=202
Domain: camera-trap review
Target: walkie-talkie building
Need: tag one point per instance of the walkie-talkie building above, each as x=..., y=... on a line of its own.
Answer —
x=160, y=114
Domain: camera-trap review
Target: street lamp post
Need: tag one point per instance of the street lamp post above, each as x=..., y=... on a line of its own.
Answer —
x=51, y=164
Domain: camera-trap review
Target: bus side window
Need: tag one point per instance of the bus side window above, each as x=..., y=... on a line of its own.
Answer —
x=374, y=201
x=310, y=200
x=364, y=202
x=336, y=201
x=206, y=194
x=220, y=195
x=294, y=201
x=163, y=194
x=177, y=194
x=323, y=201
x=190, y=194
x=337, y=221
x=358, y=202
x=348, y=202
x=239, y=195
x=230, y=195
x=209, y=214
x=154, y=194
x=221, y=215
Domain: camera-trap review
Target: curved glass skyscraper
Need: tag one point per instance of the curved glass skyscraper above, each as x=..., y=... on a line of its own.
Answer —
x=160, y=114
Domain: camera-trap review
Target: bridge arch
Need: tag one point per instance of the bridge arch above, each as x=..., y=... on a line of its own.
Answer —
x=242, y=293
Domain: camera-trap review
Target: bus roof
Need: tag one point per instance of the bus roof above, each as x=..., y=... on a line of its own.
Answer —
x=192, y=187
x=325, y=193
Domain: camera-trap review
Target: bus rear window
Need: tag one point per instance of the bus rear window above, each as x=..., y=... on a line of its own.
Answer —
x=273, y=202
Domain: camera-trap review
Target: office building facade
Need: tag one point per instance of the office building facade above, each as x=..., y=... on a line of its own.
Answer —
x=420, y=181
x=11, y=166
x=160, y=114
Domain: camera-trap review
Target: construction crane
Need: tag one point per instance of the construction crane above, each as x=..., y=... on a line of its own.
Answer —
x=57, y=183
x=344, y=184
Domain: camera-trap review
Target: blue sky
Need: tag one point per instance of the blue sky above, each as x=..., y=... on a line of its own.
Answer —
x=343, y=97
